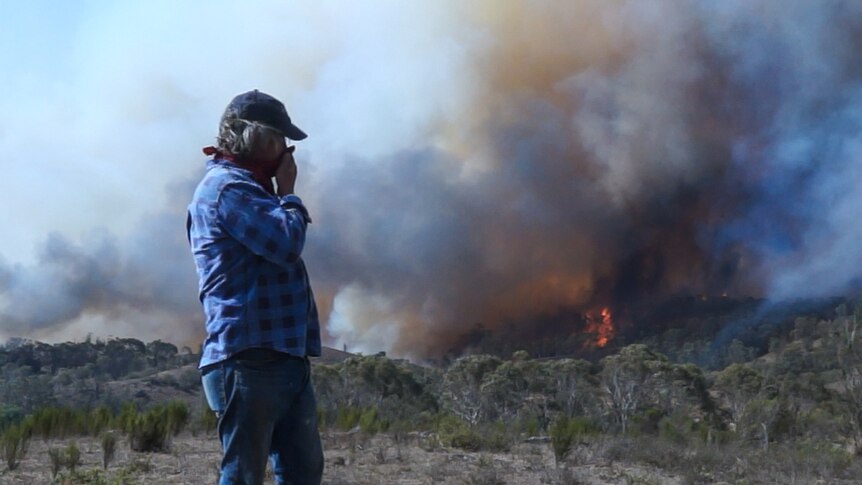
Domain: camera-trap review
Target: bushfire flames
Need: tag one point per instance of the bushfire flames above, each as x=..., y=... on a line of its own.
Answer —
x=601, y=325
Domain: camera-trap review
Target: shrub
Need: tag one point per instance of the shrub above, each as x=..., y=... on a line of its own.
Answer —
x=346, y=418
x=647, y=450
x=646, y=423
x=109, y=446
x=138, y=466
x=466, y=439
x=370, y=422
x=73, y=456
x=450, y=430
x=55, y=455
x=458, y=434
x=14, y=443
x=565, y=432
x=93, y=476
x=100, y=420
x=530, y=425
x=53, y=422
x=152, y=430
x=496, y=438
x=148, y=433
x=127, y=417
x=682, y=429
x=207, y=421
x=176, y=414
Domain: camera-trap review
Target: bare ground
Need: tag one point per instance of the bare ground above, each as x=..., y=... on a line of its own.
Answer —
x=350, y=459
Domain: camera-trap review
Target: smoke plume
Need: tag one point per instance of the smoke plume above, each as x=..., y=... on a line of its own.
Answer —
x=503, y=162
x=611, y=153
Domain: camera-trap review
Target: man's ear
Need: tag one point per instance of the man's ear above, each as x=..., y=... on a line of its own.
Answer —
x=259, y=141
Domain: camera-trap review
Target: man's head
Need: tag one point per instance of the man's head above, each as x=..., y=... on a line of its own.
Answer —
x=255, y=124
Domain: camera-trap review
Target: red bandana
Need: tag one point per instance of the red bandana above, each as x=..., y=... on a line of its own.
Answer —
x=262, y=173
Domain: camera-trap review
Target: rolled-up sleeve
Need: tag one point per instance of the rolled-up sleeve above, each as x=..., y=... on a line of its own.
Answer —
x=267, y=226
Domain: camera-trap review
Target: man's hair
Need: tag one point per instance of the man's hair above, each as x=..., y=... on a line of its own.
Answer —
x=241, y=137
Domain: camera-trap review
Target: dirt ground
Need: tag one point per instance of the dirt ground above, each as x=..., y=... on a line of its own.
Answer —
x=350, y=459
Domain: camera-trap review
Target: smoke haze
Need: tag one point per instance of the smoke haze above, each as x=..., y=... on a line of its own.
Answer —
x=485, y=163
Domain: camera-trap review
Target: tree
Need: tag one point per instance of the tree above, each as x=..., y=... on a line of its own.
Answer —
x=574, y=386
x=845, y=340
x=632, y=378
x=393, y=390
x=737, y=352
x=511, y=387
x=160, y=353
x=755, y=401
x=739, y=385
x=122, y=356
x=462, y=386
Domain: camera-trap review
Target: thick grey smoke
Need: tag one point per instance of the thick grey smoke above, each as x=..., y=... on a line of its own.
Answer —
x=142, y=287
x=680, y=147
x=498, y=162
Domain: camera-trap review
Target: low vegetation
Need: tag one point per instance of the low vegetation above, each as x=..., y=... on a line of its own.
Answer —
x=791, y=413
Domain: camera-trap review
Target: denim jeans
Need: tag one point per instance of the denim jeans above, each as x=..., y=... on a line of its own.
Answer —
x=266, y=408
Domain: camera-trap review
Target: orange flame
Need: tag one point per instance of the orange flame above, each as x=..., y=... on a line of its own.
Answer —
x=602, y=326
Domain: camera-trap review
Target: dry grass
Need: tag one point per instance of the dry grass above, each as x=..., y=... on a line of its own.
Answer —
x=418, y=458
x=351, y=458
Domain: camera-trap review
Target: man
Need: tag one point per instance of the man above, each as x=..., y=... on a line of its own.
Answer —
x=247, y=236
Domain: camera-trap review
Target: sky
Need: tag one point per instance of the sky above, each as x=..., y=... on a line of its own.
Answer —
x=468, y=163
x=110, y=102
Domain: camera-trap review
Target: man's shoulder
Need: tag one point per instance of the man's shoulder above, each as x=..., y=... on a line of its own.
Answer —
x=216, y=178
x=225, y=173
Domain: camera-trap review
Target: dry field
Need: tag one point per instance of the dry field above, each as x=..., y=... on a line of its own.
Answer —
x=350, y=459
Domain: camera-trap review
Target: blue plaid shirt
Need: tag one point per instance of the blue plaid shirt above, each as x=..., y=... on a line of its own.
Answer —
x=253, y=284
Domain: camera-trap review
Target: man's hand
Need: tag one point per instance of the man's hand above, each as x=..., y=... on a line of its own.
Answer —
x=285, y=175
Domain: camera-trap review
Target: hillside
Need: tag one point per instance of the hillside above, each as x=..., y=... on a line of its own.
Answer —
x=783, y=410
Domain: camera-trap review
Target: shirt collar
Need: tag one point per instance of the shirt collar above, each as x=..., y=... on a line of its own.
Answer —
x=221, y=162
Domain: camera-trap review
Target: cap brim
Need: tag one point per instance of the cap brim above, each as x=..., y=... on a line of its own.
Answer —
x=294, y=133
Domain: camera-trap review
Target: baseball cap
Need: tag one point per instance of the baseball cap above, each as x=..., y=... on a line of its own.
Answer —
x=263, y=108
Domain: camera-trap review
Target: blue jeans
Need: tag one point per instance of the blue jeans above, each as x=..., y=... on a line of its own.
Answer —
x=266, y=408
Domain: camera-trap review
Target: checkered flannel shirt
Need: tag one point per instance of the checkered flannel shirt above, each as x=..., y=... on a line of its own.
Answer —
x=253, y=284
